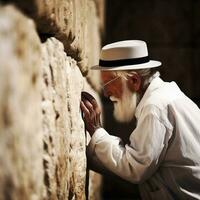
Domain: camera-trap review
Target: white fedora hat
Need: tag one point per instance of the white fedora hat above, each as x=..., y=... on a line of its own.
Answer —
x=125, y=55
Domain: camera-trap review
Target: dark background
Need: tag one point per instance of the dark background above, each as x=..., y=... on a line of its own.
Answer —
x=171, y=29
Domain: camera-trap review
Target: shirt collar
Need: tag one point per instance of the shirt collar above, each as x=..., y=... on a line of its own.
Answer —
x=155, y=84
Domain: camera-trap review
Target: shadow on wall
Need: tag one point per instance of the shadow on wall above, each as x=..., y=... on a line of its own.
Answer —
x=172, y=32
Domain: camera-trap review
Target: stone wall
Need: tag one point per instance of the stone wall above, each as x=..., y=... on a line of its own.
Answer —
x=46, y=50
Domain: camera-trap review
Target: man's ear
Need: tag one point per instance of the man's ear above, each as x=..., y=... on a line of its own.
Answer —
x=134, y=82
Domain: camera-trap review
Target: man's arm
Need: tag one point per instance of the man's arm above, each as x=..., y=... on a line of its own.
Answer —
x=135, y=162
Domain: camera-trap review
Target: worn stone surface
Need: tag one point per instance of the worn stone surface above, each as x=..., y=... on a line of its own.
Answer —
x=21, y=171
x=101, y=14
x=54, y=111
x=65, y=161
x=40, y=120
x=73, y=22
x=93, y=45
x=64, y=133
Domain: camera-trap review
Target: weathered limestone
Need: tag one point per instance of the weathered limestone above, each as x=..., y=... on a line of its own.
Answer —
x=21, y=171
x=75, y=23
x=101, y=14
x=64, y=137
x=92, y=46
x=42, y=135
x=64, y=140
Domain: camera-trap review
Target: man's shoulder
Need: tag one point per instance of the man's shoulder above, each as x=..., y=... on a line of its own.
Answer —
x=159, y=96
x=166, y=93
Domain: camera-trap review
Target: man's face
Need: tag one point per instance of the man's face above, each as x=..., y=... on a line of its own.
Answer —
x=123, y=99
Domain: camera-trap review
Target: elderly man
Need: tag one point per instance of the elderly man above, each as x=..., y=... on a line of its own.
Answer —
x=163, y=155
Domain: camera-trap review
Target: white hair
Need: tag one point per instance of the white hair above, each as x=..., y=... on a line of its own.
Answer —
x=147, y=75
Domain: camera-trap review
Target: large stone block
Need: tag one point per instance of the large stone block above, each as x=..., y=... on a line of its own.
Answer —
x=64, y=136
x=92, y=44
x=21, y=170
x=64, y=133
x=73, y=22
x=101, y=14
x=40, y=102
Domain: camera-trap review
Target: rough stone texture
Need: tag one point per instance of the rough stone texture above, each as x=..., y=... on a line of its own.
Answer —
x=75, y=23
x=21, y=171
x=92, y=45
x=64, y=141
x=42, y=135
x=101, y=14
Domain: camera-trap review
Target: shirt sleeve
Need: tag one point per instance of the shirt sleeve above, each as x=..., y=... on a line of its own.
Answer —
x=139, y=160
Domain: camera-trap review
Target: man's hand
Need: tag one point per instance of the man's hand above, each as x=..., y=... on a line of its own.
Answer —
x=91, y=112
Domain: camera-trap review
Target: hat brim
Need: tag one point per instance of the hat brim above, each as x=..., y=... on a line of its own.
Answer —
x=150, y=64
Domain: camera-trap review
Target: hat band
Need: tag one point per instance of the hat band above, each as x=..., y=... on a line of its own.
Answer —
x=123, y=62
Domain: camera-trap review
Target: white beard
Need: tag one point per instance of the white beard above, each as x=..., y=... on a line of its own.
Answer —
x=124, y=108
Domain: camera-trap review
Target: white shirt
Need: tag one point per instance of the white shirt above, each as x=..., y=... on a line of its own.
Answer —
x=164, y=152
